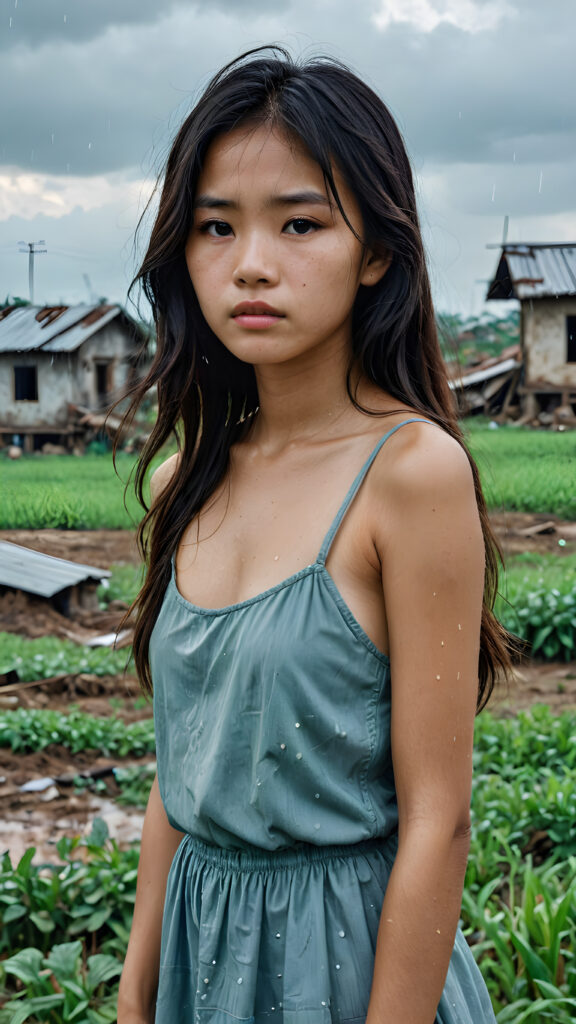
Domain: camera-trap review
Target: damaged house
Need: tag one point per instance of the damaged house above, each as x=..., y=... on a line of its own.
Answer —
x=542, y=277
x=56, y=360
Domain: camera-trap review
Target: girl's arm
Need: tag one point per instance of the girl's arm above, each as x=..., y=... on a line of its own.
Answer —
x=137, y=994
x=431, y=548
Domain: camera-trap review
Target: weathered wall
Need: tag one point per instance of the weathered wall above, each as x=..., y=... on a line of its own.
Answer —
x=544, y=341
x=56, y=372
x=113, y=345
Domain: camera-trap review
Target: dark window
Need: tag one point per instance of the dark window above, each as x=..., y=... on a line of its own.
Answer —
x=26, y=383
x=104, y=384
x=571, y=339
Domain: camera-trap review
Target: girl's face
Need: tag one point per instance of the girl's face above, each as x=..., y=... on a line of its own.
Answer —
x=274, y=265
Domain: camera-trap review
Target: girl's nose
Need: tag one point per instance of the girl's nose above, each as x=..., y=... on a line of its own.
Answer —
x=256, y=263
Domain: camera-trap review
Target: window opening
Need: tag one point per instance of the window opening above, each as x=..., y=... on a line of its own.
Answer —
x=26, y=383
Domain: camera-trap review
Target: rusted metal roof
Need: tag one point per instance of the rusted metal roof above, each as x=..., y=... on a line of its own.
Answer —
x=36, y=573
x=535, y=270
x=51, y=328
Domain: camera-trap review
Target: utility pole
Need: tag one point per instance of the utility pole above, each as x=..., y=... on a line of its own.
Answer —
x=32, y=250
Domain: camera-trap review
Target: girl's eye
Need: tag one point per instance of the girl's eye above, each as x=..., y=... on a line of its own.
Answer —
x=216, y=228
x=300, y=226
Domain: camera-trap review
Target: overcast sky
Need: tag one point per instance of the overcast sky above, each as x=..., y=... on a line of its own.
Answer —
x=92, y=90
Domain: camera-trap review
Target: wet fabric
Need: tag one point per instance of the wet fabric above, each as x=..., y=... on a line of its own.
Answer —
x=273, y=745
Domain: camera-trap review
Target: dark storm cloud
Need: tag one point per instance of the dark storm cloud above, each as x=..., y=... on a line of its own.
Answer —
x=109, y=97
x=34, y=22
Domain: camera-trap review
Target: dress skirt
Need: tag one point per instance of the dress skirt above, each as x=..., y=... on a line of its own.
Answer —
x=286, y=937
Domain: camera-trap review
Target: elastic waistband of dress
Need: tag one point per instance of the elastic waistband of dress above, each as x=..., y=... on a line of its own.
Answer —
x=254, y=858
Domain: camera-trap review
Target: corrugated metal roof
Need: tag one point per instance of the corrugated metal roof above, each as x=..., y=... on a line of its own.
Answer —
x=52, y=329
x=465, y=380
x=36, y=573
x=535, y=270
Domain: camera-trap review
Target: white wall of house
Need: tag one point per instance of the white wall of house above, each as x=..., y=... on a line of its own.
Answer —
x=544, y=339
x=112, y=348
x=55, y=386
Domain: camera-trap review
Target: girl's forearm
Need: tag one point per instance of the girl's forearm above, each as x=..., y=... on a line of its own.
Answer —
x=139, y=982
x=417, y=926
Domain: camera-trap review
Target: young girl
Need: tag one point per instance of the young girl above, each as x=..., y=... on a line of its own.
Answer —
x=313, y=622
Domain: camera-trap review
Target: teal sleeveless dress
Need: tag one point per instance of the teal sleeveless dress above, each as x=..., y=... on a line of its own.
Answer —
x=273, y=744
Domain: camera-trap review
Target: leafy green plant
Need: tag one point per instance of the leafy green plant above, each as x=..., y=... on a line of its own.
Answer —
x=61, y=985
x=123, y=585
x=49, y=656
x=30, y=729
x=90, y=893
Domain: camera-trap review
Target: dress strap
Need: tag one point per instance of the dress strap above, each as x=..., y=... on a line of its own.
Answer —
x=327, y=543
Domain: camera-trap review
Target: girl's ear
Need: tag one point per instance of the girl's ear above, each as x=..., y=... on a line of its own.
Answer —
x=374, y=268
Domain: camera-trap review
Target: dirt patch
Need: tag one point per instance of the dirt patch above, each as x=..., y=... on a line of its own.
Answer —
x=91, y=547
x=551, y=683
x=509, y=527
x=33, y=616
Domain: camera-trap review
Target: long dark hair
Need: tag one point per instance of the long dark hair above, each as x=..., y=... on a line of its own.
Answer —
x=206, y=396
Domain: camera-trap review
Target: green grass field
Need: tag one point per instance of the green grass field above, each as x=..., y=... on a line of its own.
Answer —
x=526, y=470
x=521, y=469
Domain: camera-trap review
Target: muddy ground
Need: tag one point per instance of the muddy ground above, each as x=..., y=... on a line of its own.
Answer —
x=40, y=818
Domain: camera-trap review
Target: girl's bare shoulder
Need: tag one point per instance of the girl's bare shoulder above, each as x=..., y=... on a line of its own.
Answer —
x=163, y=475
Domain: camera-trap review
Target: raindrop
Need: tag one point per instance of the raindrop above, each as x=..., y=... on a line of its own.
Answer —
x=277, y=935
x=276, y=557
x=337, y=967
x=89, y=145
x=316, y=796
x=278, y=975
x=317, y=826
x=203, y=996
x=206, y=981
x=52, y=137
x=272, y=1007
x=514, y=157
x=239, y=981
x=323, y=1003
x=10, y=23
x=282, y=746
x=213, y=963
x=540, y=182
x=296, y=725
x=437, y=677
x=341, y=933
x=298, y=756
x=65, y=19
x=493, y=192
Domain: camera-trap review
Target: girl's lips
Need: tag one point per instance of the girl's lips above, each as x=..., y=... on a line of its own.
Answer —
x=257, y=321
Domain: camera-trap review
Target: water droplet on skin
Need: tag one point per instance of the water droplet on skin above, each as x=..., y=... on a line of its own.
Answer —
x=459, y=626
x=390, y=920
x=296, y=725
x=239, y=982
x=454, y=740
x=437, y=677
x=341, y=934
x=442, y=644
x=433, y=593
x=457, y=675
x=438, y=932
x=298, y=756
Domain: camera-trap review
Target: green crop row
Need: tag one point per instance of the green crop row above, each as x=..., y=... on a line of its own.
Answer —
x=31, y=729
x=49, y=656
x=537, y=601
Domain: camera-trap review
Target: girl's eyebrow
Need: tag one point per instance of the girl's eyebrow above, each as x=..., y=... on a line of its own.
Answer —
x=206, y=201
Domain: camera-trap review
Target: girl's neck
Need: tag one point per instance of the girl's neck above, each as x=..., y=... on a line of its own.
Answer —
x=298, y=403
